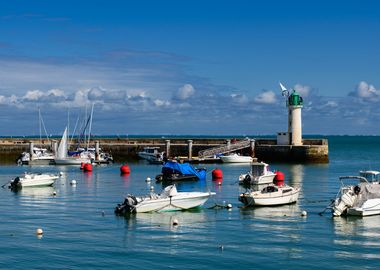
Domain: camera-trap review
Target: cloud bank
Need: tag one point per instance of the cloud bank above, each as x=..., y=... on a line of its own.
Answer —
x=157, y=98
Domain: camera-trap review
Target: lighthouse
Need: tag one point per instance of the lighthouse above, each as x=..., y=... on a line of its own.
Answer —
x=294, y=104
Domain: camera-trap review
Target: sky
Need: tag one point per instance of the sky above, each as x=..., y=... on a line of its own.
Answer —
x=189, y=67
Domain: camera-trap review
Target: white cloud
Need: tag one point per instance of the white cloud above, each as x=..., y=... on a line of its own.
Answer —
x=33, y=95
x=303, y=90
x=185, y=92
x=266, y=97
x=239, y=98
x=161, y=103
x=366, y=91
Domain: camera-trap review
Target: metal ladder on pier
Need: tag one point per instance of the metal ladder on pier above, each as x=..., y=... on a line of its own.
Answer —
x=230, y=147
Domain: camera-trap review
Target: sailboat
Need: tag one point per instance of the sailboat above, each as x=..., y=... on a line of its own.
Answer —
x=63, y=159
x=38, y=155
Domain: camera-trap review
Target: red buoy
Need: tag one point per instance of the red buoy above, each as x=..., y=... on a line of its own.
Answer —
x=279, y=178
x=87, y=167
x=82, y=165
x=124, y=169
x=217, y=175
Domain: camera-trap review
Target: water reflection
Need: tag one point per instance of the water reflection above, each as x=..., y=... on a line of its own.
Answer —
x=363, y=233
x=296, y=175
x=36, y=192
x=125, y=179
x=278, y=213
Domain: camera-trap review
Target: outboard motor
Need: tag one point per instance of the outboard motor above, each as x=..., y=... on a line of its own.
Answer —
x=15, y=184
x=127, y=207
x=346, y=200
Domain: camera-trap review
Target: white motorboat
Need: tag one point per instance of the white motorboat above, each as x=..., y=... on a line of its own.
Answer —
x=152, y=155
x=270, y=195
x=235, y=158
x=259, y=174
x=33, y=180
x=62, y=157
x=39, y=156
x=169, y=200
x=362, y=198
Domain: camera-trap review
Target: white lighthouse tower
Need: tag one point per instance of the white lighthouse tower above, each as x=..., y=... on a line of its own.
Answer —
x=294, y=103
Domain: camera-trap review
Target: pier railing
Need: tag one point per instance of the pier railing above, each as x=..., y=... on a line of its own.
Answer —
x=223, y=149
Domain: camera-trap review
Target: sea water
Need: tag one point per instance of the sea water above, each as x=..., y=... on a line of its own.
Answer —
x=82, y=232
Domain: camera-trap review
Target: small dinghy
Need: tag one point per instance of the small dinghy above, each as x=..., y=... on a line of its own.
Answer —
x=169, y=200
x=33, y=180
x=273, y=194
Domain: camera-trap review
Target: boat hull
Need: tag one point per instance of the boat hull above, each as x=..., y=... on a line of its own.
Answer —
x=369, y=208
x=34, y=180
x=71, y=161
x=236, y=159
x=259, y=180
x=269, y=199
x=180, y=202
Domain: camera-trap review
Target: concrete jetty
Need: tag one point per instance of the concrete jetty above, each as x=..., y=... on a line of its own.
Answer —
x=122, y=149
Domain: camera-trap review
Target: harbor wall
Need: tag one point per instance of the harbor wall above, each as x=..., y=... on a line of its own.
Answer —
x=312, y=150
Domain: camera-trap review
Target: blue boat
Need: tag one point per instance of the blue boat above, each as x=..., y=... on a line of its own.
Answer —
x=174, y=171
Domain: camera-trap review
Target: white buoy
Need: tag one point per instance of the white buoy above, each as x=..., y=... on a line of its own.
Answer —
x=175, y=222
x=60, y=173
x=304, y=213
x=73, y=182
x=229, y=206
x=148, y=179
x=152, y=188
x=54, y=193
x=39, y=231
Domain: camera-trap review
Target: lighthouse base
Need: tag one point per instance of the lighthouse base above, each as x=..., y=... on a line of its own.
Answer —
x=312, y=151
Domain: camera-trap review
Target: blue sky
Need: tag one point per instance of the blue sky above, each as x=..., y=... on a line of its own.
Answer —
x=189, y=67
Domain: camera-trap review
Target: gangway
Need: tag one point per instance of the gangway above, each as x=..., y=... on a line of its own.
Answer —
x=223, y=149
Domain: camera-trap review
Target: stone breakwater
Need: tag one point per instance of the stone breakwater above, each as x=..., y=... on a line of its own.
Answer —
x=312, y=150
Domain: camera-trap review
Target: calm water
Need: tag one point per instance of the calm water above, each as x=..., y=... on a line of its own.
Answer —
x=81, y=231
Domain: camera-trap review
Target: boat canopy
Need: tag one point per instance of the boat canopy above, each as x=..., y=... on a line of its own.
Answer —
x=183, y=168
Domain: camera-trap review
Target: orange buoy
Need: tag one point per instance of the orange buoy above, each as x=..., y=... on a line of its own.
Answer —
x=217, y=175
x=82, y=165
x=279, y=178
x=124, y=169
x=87, y=167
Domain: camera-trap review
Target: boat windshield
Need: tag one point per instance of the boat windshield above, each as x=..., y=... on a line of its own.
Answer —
x=371, y=176
x=269, y=189
x=257, y=169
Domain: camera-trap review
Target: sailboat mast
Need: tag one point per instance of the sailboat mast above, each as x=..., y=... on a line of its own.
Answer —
x=39, y=123
x=89, y=130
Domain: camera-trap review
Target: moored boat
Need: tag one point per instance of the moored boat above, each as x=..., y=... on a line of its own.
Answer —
x=62, y=157
x=271, y=195
x=169, y=200
x=152, y=155
x=358, y=195
x=33, y=180
x=174, y=171
x=235, y=158
x=259, y=174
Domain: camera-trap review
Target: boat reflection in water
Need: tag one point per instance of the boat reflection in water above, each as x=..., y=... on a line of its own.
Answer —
x=359, y=232
x=37, y=192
